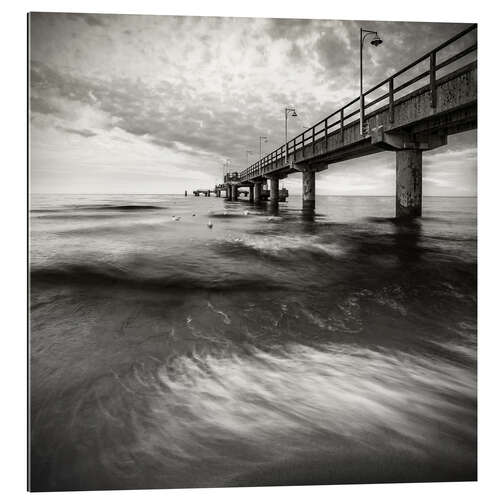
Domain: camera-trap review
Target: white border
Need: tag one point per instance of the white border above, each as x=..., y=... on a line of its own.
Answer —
x=13, y=210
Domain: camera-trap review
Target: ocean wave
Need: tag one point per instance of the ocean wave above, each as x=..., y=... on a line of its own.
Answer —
x=315, y=401
x=105, y=275
x=84, y=208
x=226, y=215
x=126, y=207
x=338, y=401
x=238, y=416
x=285, y=245
x=69, y=216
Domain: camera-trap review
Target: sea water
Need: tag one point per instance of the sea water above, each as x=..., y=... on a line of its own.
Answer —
x=271, y=348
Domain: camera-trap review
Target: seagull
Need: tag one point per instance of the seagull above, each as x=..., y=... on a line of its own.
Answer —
x=194, y=215
x=210, y=225
x=176, y=217
x=246, y=212
x=225, y=213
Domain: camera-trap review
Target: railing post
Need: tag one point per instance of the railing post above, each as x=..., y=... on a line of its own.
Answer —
x=362, y=115
x=342, y=125
x=391, y=100
x=432, y=71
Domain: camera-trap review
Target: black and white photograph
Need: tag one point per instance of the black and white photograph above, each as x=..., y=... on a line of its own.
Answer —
x=252, y=251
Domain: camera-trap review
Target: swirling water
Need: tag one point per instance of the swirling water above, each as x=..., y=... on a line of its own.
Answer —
x=272, y=348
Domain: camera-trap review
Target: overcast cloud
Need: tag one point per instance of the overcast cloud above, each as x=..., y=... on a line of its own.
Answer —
x=152, y=104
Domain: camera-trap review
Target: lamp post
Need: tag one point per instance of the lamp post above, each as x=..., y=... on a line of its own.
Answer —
x=294, y=113
x=375, y=42
x=262, y=137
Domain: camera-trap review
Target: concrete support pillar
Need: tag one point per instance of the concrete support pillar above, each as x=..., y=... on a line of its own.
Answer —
x=257, y=190
x=229, y=192
x=409, y=183
x=250, y=194
x=274, y=198
x=208, y=193
x=308, y=190
x=234, y=187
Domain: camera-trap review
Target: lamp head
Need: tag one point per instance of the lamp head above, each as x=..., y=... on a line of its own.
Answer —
x=376, y=41
x=294, y=113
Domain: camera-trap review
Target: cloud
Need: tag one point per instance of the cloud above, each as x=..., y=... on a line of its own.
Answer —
x=289, y=28
x=83, y=133
x=90, y=19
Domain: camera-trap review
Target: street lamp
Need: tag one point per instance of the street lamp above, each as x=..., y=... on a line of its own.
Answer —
x=376, y=41
x=294, y=113
x=248, y=153
x=262, y=137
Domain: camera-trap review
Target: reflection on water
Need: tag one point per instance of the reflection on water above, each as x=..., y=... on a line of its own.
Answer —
x=273, y=348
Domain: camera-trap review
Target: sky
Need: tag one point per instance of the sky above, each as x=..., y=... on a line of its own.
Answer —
x=156, y=104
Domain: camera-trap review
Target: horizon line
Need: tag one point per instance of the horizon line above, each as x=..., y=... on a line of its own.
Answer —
x=317, y=195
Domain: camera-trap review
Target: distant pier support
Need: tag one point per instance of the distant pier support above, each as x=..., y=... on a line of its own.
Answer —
x=234, y=194
x=229, y=192
x=408, y=183
x=274, y=197
x=309, y=184
x=308, y=189
x=251, y=193
x=257, y=191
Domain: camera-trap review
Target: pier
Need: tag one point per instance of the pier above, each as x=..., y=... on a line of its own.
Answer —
x=407, y=118
x=205, y=192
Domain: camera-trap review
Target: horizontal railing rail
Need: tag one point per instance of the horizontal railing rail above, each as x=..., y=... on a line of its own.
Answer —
x=324, y=127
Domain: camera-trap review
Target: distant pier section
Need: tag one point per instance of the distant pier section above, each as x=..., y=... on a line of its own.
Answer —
x=205, y=192
x=233, y=189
